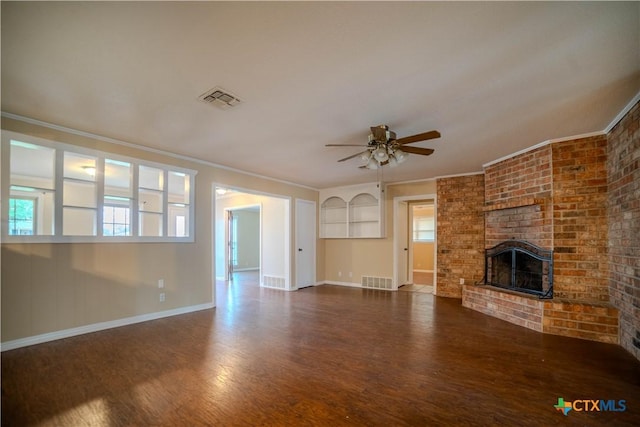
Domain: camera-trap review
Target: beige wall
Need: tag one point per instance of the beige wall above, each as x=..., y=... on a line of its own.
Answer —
x=52, y=287
x=354, y=258
x=423, y=256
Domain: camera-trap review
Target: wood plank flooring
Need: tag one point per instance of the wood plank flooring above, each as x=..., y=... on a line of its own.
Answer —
x=325, y=356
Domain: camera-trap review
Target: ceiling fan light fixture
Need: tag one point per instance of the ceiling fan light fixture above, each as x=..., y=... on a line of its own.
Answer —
x=381, y=154
x=400, y=156
x=373, y=164
x=365, y=157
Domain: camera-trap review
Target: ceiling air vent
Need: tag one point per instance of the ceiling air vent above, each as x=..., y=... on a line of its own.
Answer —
x=220, y=98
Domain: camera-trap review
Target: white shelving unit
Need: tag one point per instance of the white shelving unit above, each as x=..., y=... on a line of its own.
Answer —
x=355, y=211
x=333, y=217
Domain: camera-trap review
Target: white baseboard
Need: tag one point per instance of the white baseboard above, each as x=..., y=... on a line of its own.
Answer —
x=95, y=327
x=349, y=284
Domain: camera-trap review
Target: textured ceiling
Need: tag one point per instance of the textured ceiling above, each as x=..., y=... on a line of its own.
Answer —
x=493, y=78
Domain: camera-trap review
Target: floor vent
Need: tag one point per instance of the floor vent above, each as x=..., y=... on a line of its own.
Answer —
x=371, y=282
x=273, y=282
x=220, y=98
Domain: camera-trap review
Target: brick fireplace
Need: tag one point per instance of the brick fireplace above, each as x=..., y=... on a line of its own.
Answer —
x=553, y=196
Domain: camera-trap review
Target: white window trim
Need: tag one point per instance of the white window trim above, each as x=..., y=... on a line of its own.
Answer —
x=7, y=136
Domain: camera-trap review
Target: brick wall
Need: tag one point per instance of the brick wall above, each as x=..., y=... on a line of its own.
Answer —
x=580, y=219
x=518, y=180
x=533, y=223
x=555, y=197
x=460, y=233
x=623, y=167
x=596, y=322
x=517, y=199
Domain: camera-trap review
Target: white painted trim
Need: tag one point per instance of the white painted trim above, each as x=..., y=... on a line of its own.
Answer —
x=361, y=184
x=414, y=181
x=396, y=232
x=322, y=282
x=622, y=113
x=348, y=284
x=95, y=327
x=134, y=162
x=456, y=175
x=435, y=178
x=517, y=153
x=143, y=148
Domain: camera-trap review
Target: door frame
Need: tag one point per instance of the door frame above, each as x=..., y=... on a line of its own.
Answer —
x=288, y=241
x=397, y=226
x=410, y=206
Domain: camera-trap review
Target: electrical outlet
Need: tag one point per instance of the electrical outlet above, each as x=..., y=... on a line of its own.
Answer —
x=162, y=297
x=462, y=281
x=339, y=273
x=160, y=283
x=350, y=274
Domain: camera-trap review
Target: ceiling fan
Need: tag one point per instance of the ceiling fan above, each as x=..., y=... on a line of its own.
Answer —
x=383, y=147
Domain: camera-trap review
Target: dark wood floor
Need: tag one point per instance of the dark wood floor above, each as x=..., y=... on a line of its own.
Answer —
x=320, y=356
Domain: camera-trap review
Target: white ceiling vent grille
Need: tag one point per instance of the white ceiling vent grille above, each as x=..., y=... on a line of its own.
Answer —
x=220, y=98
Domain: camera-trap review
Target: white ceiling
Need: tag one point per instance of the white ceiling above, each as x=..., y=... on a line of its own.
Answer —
x=493, y=78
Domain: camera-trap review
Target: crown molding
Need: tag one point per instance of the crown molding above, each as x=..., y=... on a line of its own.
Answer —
x=622, y=113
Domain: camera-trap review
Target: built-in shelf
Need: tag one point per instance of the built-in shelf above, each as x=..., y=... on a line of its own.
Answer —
x=352, y=212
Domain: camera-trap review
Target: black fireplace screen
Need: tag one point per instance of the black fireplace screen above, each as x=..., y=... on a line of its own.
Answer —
x=520, y=266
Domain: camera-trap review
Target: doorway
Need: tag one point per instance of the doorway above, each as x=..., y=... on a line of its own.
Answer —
x=415, y=243
x=243, y=239
x=272, y=243
x=422, y=241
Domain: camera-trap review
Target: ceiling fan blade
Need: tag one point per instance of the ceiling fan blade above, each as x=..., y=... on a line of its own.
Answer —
x=418, y=150
x=345, y=145
x=419, y=137
x=355, y=155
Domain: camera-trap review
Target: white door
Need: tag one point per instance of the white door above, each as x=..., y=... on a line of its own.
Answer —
x=305, y=243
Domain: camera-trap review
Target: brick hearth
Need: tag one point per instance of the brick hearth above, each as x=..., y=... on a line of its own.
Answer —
x=596, y=322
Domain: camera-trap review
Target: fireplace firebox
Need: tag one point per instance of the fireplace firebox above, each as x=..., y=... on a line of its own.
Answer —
x=520, y=266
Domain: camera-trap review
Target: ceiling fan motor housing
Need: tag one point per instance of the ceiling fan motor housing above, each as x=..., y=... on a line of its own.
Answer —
x=380, y=137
